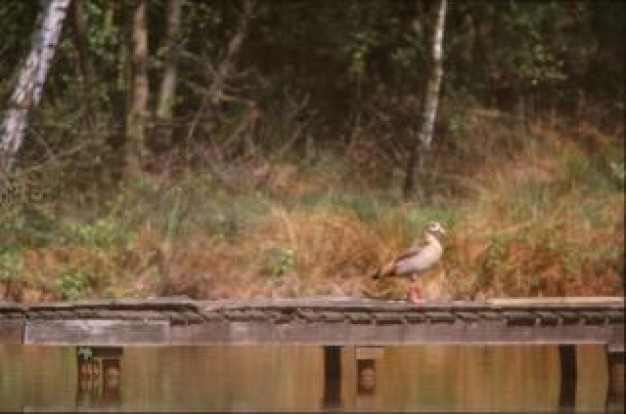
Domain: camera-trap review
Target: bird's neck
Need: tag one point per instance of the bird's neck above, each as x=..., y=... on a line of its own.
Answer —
x=432, y=240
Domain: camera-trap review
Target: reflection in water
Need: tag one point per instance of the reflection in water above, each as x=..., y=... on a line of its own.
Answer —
x=367, y=376
x=98, y=377
x=297, y=378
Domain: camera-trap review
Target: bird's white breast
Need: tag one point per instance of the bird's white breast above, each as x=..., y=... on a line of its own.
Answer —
x=423, y=260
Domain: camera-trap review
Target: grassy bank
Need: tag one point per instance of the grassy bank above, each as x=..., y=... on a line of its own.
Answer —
x=531, y=210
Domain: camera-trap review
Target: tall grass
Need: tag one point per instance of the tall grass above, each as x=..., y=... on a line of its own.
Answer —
x=530, y=211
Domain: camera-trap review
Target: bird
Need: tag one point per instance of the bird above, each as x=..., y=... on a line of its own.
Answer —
x=416, y=261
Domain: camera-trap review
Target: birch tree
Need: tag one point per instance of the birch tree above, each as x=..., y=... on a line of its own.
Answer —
x=430, y=100
x=31, y=79
x=81, y=42
x=138, y=92
x=167, y=93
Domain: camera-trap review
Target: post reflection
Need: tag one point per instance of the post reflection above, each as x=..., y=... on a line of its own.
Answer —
x=367, y=377
x=350, y=376
x=303, y=379
x=98, y=379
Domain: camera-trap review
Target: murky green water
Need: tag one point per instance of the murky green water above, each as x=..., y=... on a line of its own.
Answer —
x=292, y=378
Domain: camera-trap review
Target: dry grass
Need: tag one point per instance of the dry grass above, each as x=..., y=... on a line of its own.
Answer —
x=540, y=213
x=288, y=253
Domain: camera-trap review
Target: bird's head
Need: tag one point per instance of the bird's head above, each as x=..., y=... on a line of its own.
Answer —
x=435, y=229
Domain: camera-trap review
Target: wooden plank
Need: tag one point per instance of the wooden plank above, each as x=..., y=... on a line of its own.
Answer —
x=325, y=303
x=591, y=301
x=497, y=332
x=253, y=332
x=548, y=318
x=369, y=352
x=11, y=331
x=618, y=337
x=174, y=302
x=395, y=305
x=360, y=317
x=317, y=303
x=211, y=332
x=6, y=306
x=520, y=317
x=96, y=332
x=321, y=320
x=320, y=302
x=386, y=318
x=440, y=317
x=335, y=303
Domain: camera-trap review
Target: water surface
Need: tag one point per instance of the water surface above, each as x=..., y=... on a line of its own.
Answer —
x=292, y=378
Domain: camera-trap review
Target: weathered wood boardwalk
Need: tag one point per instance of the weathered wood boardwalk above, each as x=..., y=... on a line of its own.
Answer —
x=324, y=321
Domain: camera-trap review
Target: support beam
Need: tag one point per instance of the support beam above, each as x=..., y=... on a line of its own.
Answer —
x=332, y=377
x=96, y=332
x=615, y=394
x=567, y=394
x=11, y=331
x=325, y=322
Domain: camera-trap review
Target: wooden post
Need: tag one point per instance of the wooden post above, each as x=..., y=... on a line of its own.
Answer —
x=567, y=394
x=615, y=394
x=332, y=377
x=348, y=378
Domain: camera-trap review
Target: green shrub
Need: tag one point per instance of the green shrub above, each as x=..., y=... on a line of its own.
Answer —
x=278, y=261
x=74, y=284
x=102, y=233
x=10, y=265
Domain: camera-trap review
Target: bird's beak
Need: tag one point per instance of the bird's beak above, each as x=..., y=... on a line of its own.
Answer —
x=442, y=231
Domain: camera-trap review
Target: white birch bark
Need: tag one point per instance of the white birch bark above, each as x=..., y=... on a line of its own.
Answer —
x=431, y=97
x=429, y=103
x=137, y=117
x=170, y=71
x=31, y=79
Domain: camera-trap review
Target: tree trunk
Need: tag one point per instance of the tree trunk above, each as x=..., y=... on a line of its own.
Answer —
x=215, y=91
x=234, y=45
x=31, y=79
x=167, y=94
x=137, y=116
x=430, y=100
x=82, y=46
x=85, y=67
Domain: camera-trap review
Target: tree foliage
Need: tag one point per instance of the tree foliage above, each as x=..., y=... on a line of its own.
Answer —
x=306, y=73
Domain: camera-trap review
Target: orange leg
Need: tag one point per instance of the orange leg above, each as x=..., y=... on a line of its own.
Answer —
x=414, y=295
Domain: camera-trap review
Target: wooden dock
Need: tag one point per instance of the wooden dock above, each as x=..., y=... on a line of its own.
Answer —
x=324, y=321
x=345, y=327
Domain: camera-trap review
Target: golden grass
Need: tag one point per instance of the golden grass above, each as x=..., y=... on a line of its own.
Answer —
x=538, y=218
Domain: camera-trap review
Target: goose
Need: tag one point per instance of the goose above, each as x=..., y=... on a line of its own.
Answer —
x=416, y=261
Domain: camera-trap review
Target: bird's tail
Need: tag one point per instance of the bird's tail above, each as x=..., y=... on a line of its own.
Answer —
x=387, y=270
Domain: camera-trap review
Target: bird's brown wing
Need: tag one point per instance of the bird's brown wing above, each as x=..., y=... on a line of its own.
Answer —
x=389, y=268
x=412, y=251
x=419, y=262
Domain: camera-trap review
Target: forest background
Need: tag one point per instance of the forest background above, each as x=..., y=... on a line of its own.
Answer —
x=262, y=148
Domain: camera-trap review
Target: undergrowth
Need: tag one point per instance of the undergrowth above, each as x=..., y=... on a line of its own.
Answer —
x=534, y=213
